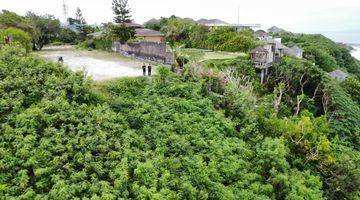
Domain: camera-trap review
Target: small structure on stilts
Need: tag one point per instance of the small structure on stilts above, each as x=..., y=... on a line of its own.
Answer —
x=262, y=58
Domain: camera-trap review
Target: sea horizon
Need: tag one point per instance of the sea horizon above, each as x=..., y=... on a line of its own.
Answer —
x=344, y=36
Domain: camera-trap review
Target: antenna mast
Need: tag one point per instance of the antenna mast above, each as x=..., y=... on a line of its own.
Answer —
x=238, y=15
x=65, y=12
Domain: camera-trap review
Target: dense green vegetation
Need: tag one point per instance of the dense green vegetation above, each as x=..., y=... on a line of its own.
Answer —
x=18, y=37
x=325, y=53
x=189, y=33
x=209, y=133
x=45, y=29
x=42, y=29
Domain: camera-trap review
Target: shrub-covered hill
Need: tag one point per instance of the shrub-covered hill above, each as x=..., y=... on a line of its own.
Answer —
x=322, y=51
x=169, y=137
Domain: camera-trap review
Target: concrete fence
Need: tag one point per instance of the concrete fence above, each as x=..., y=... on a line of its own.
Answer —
x=152, y=51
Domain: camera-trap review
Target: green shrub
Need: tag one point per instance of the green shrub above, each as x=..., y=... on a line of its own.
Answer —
x=323, y=52
x=96, y=43
x=164, y=138
x=103, y=44
x=352, y=87
x=240, y=43
x=227, y=39
x=18, y=36
x=344, y=113
x=68, y=36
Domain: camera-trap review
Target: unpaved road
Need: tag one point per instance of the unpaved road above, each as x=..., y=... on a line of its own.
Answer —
x=97, y=64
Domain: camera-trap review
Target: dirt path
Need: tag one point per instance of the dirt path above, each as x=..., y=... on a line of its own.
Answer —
x=97, y=64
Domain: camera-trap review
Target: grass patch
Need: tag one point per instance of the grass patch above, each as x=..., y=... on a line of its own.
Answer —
x=201, y=55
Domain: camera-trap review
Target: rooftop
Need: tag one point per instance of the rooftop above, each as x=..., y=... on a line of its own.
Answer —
x=134, y=25
x=338, y=75
x=296, y=49
x=211, y=21
x=142, y=32
x=259, y=49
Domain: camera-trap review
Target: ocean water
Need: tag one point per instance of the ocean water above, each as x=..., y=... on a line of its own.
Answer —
x=356, y=52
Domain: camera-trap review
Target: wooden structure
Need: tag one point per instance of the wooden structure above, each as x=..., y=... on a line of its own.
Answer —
x=262, y=57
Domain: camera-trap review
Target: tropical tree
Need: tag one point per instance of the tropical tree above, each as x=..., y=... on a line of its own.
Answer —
x=10, y=19
x=198, y=36
x=79, y=17
x=177, y=31
x=68, y=36
x=121, y=31
x=47, y=28
x=122, y=11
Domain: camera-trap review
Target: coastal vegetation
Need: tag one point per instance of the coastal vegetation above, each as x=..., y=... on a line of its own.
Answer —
x=210, y=130
x=323, y=52
x=20, y=37
x=191, y=34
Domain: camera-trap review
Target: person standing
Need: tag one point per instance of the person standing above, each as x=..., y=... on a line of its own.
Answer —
x=149, y=70
x=7, y=40
x=144, y=69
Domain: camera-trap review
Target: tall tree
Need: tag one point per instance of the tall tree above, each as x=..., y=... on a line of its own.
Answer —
x=47, y=29
x=122, y=11
x=122, y=32
x=10, y=19
x=79, y=16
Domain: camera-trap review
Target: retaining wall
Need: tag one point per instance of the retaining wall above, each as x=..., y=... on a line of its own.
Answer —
x=152, y=51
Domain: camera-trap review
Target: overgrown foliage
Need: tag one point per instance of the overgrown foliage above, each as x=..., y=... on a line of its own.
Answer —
x=17, y=36
x=47, y=28
x=68, y=36
x=43, y=29
x=189, y=33
x=205, y=134
x=323, y=52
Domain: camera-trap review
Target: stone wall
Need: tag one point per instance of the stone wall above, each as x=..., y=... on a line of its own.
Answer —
x=151, y=51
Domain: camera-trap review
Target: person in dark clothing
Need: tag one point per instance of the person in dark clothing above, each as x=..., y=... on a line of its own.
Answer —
x=61, y=59
x=144, y=69
x=149, y=70
x=7, y=39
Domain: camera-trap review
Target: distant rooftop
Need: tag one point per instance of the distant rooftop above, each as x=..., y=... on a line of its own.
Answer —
x=152, y=21
x=260, y=33
x=134, y=25
x=142, y=32
x=275, y=29
x=338, y=75
x=235, y=25
x=211, y=21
